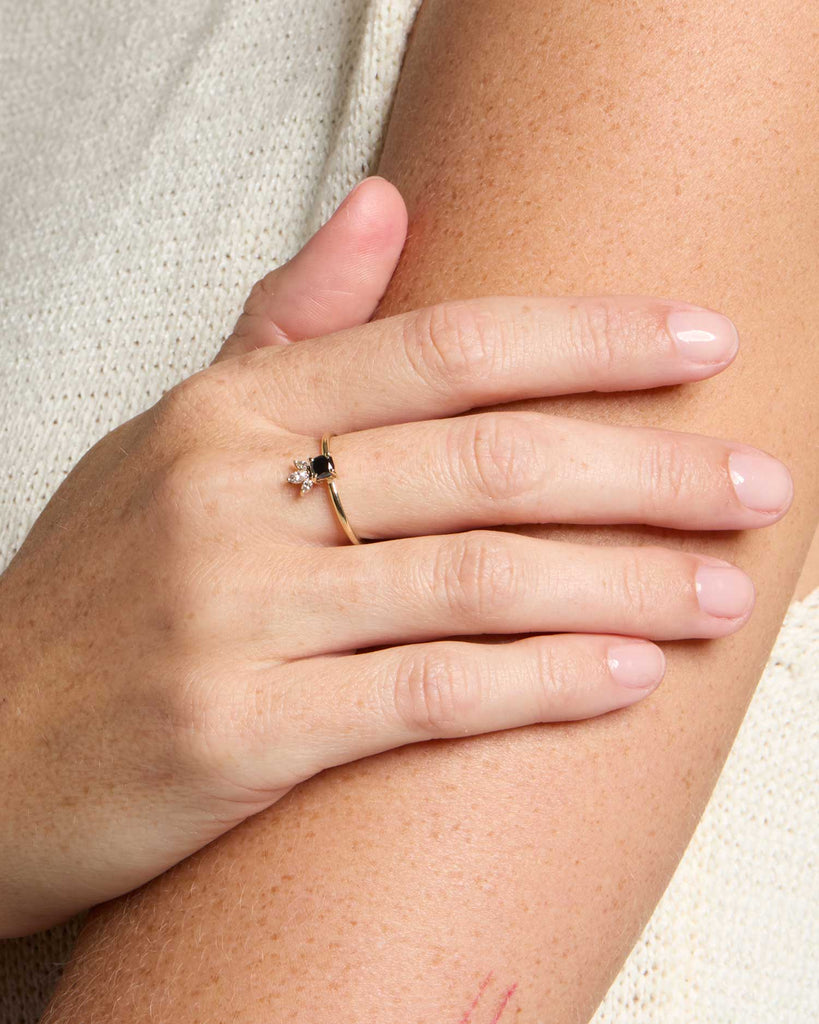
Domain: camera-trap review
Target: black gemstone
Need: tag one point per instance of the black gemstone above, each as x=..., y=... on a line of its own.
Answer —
x=322, y=466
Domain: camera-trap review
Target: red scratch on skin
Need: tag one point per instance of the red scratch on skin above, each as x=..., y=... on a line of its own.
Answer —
x=468, y=1014
x=504, y=1001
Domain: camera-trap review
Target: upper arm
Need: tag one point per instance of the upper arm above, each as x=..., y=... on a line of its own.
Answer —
x=661, y=148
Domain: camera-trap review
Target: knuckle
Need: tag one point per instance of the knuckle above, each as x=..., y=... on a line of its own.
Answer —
x=437, y=689
x=198, y=406
x=452, y=343
x=191, y=553
x=182, y=488
x=551, y=677
x=596, y=331
x=636, y=585
x=194, y=710
x=568, y=673
x=499, y=454
x=190, y=400
x=476, y=576
x=207, y=717
x=666, y=473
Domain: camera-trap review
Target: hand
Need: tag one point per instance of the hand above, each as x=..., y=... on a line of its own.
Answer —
x=182, y=630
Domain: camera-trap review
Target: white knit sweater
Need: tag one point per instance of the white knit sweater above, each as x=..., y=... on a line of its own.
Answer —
x=155, y=159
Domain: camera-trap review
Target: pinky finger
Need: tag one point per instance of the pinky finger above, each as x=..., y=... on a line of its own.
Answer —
x=355, y=705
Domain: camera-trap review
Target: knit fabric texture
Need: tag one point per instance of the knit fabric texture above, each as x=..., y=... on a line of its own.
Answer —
x=156, y=159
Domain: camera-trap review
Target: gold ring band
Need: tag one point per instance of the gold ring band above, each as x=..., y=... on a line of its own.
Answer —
x=309, y=472
x=338, y=508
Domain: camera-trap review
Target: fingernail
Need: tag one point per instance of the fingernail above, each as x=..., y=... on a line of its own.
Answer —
x=702, y=335
x=761, y=482
x=726, y=593
x=635, y=664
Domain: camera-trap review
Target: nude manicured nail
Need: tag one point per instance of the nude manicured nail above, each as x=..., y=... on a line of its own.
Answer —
x=761, y=482
x=726, y=593
x=638, y=665
x=702, y=335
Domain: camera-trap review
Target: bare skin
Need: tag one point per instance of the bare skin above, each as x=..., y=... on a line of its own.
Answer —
x=809, y=578
x=591, y=149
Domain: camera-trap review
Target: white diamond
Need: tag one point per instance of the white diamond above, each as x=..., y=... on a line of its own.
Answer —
x=306, y=486
x=298, y=476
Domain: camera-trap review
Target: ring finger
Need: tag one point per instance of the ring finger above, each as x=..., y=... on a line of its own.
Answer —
x=514, y=467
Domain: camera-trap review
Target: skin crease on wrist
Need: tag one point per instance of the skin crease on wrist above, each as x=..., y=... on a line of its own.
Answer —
x=583, y=149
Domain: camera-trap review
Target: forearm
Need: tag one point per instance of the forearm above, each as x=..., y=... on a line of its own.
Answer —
x=583, y=149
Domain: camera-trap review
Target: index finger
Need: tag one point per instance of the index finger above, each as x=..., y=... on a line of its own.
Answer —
x=462, y=354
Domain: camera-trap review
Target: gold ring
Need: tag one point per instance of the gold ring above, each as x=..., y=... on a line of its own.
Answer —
x=322, y=467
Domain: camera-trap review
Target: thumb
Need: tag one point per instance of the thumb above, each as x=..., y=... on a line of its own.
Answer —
x=335, y=281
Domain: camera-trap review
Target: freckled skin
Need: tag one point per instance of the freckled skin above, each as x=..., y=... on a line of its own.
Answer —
x=573, y=148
